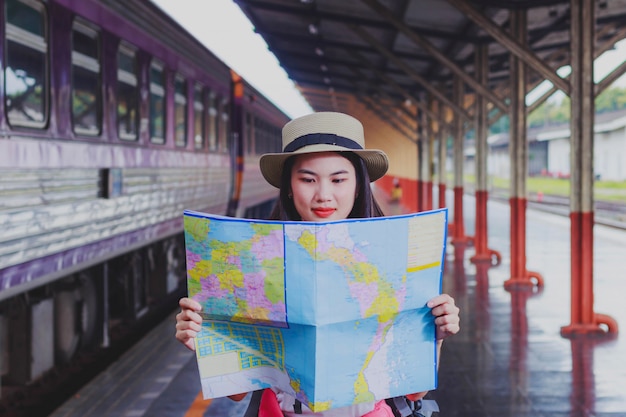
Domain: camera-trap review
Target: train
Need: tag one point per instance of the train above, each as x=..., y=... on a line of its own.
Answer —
x=113, y=120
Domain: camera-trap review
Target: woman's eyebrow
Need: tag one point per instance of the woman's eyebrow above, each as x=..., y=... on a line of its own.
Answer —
x=307, y=171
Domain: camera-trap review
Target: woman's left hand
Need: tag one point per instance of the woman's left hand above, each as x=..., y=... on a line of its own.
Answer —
x=446, y=315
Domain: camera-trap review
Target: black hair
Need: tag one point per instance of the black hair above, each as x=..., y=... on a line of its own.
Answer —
x=365, y=204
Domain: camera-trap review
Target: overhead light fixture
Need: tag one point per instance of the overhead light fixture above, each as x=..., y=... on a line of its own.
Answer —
x=324, y=68
x=307, y=1
x=313, y=29
x=327, y=80
x=319, y=52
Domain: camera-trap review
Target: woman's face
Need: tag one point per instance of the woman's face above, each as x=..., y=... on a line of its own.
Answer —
x=323, y=186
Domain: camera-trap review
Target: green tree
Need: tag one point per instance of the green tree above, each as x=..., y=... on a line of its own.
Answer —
x=611, y=99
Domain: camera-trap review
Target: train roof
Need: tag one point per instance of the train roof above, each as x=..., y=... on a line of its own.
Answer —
x=150, y=18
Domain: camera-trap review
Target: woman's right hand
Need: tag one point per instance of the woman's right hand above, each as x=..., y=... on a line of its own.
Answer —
x=188, y=322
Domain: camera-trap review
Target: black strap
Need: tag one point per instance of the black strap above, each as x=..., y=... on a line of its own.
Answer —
x=255, y=403
x=297, y=407
x=321, y=139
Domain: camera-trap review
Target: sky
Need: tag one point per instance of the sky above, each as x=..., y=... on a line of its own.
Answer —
x=223, y=28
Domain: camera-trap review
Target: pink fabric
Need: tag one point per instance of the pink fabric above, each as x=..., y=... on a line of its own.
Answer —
x=269, y=405
x=381, y=409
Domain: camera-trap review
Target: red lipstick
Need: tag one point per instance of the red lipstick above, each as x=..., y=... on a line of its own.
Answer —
x=323, y=212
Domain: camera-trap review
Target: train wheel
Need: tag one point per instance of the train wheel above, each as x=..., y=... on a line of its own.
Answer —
x=91, y=319
x=77, y=318
x=176, y=272
x=66, y=319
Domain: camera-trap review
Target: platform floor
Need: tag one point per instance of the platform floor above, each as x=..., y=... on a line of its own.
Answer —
x=508, y=360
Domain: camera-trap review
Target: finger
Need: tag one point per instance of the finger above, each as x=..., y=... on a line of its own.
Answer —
x=447, y=330
x=445, y=309
x=188, y=303
x=188, y=325
x=188, y=315
x=439, y=300
x=185, y=335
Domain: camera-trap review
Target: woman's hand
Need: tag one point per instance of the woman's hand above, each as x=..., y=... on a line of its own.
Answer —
x=188, y=322
x=446, y=323
x=446, y=316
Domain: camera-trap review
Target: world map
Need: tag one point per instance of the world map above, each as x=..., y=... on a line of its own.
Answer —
x=332, y=313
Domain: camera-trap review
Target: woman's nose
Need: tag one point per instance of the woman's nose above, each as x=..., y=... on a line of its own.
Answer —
x=323, y=192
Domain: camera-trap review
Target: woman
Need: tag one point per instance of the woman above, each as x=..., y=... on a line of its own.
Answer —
x=323, y=174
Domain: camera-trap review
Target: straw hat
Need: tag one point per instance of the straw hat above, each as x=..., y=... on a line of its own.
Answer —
x=323, y=132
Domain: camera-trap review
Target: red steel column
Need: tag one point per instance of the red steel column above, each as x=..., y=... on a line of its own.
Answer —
x=428, y=158
x=425, y=161
x=518, y=155
x=421, y=133
x=483, y=253
x=583, y=318
x=442, y=160
x=458, y=227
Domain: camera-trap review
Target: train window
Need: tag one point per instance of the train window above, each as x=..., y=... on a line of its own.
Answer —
x=25, y=77
x=127, y=93
x=198, y=117
x=223, y=128
x=218, y=124
x=212, y=122
x=250, y=134
x=180, y=111
x=86, y=91
x=261, y=135
x=157, y=102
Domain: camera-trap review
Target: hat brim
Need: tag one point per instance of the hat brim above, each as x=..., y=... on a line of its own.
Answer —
x=272, y=164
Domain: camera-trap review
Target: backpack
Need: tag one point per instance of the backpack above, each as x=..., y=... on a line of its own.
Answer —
x=263, y=404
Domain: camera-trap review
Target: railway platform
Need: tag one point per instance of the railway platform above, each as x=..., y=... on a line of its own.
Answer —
x=508, y=360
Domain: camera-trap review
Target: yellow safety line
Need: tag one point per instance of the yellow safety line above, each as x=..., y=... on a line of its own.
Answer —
x=198, y=406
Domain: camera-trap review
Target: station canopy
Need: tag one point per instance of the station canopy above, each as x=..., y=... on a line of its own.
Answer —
x=390, y=59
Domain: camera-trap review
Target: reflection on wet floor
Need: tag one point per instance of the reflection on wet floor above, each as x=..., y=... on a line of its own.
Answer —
x=510, y=358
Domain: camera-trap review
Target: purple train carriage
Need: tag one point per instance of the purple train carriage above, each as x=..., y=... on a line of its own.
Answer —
x=113, y=120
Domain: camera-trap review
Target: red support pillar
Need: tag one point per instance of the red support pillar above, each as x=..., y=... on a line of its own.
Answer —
x=442, y=163
x=458, y=226
x=442, y=195
x=518, y=152
x=483, y=253
x=420, y=193
x=520, y=276
x=584, y=320
x=422, y=148
x=428, y=204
